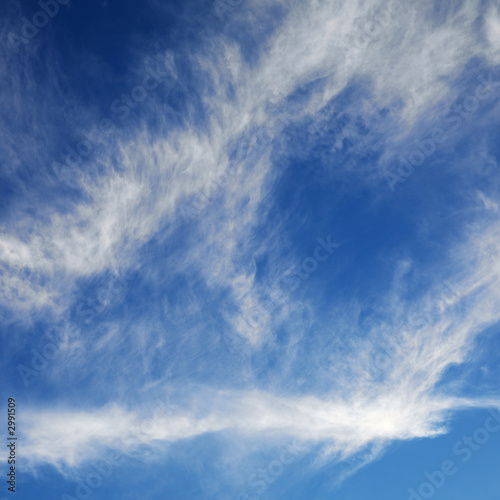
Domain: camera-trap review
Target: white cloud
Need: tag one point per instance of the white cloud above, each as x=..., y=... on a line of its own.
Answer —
x=411, y=61
x=125, y=206
x=367, y=403
x=492, y=25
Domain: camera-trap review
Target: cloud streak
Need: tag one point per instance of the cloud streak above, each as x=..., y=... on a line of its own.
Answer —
x=310, y=78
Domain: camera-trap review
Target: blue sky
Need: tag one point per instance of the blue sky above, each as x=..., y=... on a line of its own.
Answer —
x=250, y=249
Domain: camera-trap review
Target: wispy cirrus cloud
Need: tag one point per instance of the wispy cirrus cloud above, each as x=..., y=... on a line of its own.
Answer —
x=365, y=404
x=123, y=210
x=159, y=173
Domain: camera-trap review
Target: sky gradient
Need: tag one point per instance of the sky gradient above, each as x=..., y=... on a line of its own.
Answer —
x=250, y=249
